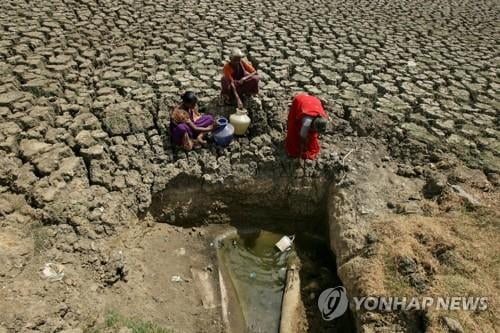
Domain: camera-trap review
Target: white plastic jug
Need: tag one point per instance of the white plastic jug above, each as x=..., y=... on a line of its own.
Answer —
x=240, y=121
x=285, y=243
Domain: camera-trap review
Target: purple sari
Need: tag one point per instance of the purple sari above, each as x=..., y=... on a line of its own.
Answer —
x=178, y=131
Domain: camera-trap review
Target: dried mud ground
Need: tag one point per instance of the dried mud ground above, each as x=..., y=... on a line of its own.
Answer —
x=85, y=93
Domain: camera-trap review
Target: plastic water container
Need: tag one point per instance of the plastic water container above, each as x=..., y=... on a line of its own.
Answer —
x=240, y=121
x=223, y=134
x=285, y=243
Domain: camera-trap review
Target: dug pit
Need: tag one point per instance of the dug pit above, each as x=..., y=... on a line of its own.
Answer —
x=252, y=217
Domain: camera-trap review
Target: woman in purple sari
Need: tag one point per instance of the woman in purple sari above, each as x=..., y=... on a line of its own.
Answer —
x=187, y=125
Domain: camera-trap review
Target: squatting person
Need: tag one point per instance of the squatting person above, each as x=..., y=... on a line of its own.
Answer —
x=187, y=125
x=240, y=79
x=306, y=120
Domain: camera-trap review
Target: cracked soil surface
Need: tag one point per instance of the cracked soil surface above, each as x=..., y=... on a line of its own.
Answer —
x=86, y=87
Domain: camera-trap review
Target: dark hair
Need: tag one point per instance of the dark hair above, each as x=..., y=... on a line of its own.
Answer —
x=189, y=97
x=320, y=124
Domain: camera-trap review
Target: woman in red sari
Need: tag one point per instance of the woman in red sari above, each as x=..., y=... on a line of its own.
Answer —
x=240, y=79
x=306, y=120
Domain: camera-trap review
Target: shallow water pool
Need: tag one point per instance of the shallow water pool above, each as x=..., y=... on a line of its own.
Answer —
x=257, y=270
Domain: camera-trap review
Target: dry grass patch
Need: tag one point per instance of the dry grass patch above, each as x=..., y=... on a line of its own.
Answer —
x=453, y=254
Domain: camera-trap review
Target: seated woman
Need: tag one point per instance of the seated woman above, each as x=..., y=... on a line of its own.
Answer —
x=240, y=78
x=187, y=125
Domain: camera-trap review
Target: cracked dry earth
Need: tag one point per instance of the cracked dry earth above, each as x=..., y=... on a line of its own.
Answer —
x=85, y=92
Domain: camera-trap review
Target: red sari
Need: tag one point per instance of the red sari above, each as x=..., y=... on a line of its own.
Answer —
x=303, y=105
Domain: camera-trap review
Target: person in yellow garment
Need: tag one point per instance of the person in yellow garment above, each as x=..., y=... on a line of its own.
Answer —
x=240, y=79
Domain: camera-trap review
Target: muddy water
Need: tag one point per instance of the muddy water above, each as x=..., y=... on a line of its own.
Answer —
x=258, y=271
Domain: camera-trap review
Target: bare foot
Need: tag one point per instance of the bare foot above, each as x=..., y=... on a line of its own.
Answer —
x=201, y=139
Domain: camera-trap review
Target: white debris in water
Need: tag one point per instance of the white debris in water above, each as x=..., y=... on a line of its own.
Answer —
x=285, y=243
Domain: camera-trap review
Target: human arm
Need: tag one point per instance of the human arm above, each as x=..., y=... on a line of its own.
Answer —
x=246, y=77
x=248, y=69
x=304, y=132
x=238, y=99
x=200, y=129
x=228, y=72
